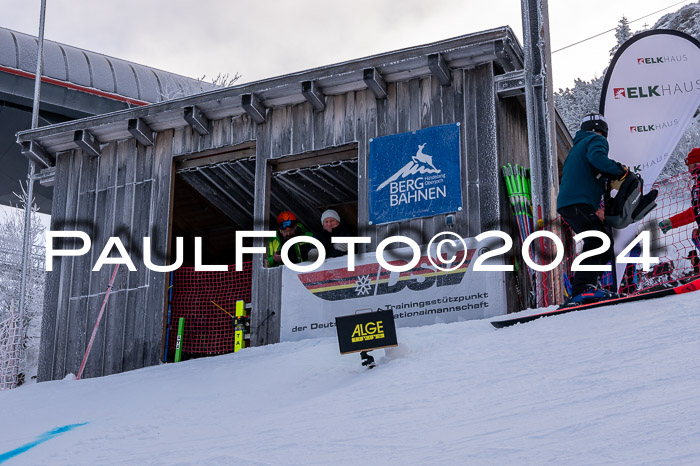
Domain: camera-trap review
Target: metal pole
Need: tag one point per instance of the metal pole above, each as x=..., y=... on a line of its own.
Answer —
x=26, y=243
x=539, y=103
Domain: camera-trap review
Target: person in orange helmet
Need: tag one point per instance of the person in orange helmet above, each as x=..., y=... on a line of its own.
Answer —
x=287, y=228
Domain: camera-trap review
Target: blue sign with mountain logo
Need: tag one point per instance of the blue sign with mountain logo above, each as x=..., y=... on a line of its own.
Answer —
x=413, y=175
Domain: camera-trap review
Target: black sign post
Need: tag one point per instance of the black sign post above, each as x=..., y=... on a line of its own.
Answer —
x=366, y=331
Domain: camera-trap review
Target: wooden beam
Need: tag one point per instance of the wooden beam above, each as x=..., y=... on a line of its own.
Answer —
x=197, y=154
x=294, y=162
x=34, y=152
x=510, y=84
x=504, y=57
x=140, y=130
x=374, y=81
x=463, y=52
x=228, y=156
x=85, y=140
x=439, y=69
x=196, y=119
x=46, y=177
x=253, y=107
x=311, y=92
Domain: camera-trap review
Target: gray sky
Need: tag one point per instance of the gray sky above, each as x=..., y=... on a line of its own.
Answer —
x=262, y=39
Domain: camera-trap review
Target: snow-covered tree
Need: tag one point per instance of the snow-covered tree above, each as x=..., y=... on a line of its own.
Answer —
x=584, y=97
x=686, y=20
x=622, y=34
x=19, y=341
x=175, y=90
x=573, y=104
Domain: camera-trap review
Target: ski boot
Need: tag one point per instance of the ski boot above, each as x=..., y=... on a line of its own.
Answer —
x=367, y=360
x=593, y=294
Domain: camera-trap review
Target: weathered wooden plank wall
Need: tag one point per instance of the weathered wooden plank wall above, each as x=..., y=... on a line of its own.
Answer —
x=54, y=322
x=357, y=117
x=222, y=133
x=125, y=192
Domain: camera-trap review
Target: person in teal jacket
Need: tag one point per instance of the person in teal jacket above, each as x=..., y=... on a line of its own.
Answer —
x=586, y=170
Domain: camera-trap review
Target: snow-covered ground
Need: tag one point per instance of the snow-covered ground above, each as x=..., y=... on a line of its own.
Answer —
x=616, y=385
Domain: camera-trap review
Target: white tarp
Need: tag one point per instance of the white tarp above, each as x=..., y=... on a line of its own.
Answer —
x=421, y=296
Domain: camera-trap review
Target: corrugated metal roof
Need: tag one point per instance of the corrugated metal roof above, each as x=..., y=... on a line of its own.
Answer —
x=18, y=51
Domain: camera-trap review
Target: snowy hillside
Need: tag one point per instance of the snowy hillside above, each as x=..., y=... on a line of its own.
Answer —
x=615, y=385
x=685, y=19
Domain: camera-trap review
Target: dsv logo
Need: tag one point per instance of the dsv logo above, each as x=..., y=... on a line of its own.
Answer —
x=373, y=280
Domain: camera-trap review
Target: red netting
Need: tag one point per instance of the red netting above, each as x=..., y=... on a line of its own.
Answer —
x=676, y=250
x=208, y=329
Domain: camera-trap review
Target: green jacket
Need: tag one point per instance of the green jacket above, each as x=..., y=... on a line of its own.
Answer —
x=587, y=159
x=298, y=253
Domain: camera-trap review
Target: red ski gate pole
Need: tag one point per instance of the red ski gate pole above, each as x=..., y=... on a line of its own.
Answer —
x=97, y=324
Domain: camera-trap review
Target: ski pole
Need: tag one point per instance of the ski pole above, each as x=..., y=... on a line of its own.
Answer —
x=99, y=318
x=527, y=194
x=518, y=288
x=513, y=208
x=167, y=325
x=518, y=196
x=178, y=344
x=223, y=309
x=519, y=203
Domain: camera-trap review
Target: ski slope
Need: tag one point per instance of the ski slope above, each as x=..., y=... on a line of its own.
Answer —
x=616, y=385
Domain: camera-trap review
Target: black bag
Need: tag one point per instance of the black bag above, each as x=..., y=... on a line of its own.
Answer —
x=629, y=205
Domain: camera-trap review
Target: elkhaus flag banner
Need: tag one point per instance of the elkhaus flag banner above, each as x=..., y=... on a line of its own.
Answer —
x=650, y=93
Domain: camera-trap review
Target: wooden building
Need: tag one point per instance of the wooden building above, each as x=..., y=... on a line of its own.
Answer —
x=232, y=159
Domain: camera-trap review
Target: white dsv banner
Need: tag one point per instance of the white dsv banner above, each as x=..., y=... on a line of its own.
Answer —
x=650, y=93
x=421, y=296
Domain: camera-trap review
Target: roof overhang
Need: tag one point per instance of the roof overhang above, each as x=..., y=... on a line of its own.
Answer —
x=496, y=45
